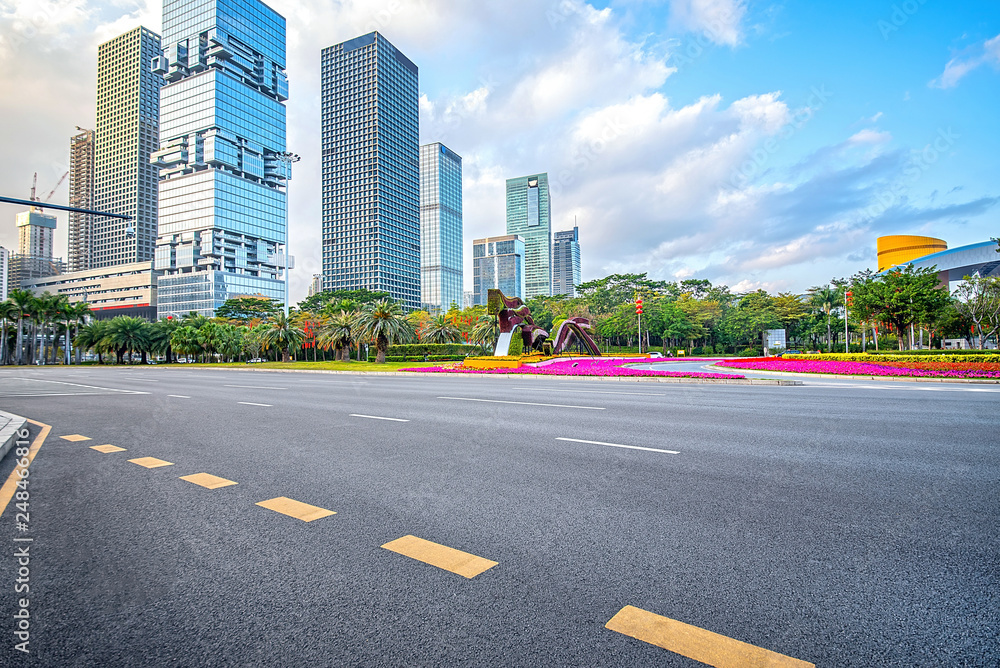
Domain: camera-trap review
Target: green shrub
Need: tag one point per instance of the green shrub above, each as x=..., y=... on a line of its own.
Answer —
x=421, y=349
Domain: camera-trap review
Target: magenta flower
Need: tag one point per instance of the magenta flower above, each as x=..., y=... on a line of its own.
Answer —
x=852, y=368
x=584, y=367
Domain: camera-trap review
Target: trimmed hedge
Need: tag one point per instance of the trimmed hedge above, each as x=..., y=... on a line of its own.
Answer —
x=898, y=357
x=419, y=358
x=421, y=349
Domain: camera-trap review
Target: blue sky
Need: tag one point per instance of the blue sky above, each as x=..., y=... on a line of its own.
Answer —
x=757, y=144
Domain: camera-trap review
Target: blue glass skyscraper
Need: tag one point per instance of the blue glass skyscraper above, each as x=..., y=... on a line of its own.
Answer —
x=371, y=188
x=222, y=219
x=440, y=227
x=529, y=216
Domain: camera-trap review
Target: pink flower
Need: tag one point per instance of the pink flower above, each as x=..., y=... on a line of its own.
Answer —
x=584, y=367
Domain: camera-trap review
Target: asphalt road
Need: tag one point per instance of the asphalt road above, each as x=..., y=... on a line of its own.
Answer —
x=840, y=523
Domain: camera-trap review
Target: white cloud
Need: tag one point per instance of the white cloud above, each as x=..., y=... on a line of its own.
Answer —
x=719, y=20
x=957, y=68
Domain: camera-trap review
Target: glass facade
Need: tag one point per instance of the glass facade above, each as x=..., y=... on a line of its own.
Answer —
x=440, y=227
x=497, y=262
x=566, y=262
x=222, y=199
x=529, y=217
x=371, y=184
x=128, y=120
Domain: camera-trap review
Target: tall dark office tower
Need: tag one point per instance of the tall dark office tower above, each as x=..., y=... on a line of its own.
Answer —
x=81, y=194
x=128, y=119
x=566, y=262
x=529, y=217
x=222, y=156
x=440, y=227
x=371, y=184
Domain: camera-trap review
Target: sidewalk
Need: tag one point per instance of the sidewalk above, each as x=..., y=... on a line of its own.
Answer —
x=10, y=424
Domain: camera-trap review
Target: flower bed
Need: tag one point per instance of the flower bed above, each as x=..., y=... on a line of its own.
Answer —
x=846, y=368
x=583, y=367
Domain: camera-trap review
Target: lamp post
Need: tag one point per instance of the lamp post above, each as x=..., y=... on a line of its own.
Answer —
x=287, y=159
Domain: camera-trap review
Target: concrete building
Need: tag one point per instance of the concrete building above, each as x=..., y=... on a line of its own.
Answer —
x=529, y=216
x=81, y=195
x=371, y=183
x=4, y=273
x=440, y=227
x=315, y=285
x=566, y=262
x=956, y=263
x=128, y=108
x=127, y=289
x=498, y=262
x=222, y=157
x=468, y=299
x=35, y=234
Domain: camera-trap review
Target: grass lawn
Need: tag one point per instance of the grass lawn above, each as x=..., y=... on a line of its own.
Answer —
x=311, y=366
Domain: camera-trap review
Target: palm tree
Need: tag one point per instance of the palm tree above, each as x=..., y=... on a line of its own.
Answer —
x=337, y=332
x=25, y=302
x=384, y=322
x=93, y=337
x=284, y=335
x=128, y=334
x=486, y=331
x=440, y=329
x=184, y=340
x=825, y=298
x=8, y=311
x=159, y=337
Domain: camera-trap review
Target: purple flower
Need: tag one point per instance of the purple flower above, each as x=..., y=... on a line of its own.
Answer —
x=584, y=367
x=853, y=368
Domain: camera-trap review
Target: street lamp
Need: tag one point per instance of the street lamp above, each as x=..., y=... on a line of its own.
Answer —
x=287, y=159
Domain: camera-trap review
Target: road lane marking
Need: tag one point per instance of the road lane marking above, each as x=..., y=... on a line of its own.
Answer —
x=549, y=389
x=89, y=387
x=296, y=509
x=522, y=403
x=178, y=396
x=257, y=387
x=208, y=480
x=618, y=445
x=106, y=449
x=150, y=462
x=444, y=557
x=250, y=403
x=143, y=380
x=75, y=438
x=10, y=486
x=696, y=643
x=376, y=417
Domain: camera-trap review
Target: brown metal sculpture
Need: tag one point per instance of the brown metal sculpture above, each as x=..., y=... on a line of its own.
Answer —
x=572, y=330
x=513, y=314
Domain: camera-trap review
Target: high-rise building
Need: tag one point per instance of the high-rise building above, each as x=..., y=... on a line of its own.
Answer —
x=222, y=159
x=529, y=216
x=81, y=195
x=128, y=108
x=371, y=186
x=35, y=232
x=497, y=262
x=4, y=273
x=315, y=285
x=566, y=262
x=440, y=227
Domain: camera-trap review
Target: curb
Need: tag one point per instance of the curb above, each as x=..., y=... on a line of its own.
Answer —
x=516, y=376
x=10, y=424
x=890, y=379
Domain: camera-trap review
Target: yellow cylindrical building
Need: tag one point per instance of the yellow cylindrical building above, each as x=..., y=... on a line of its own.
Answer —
x=901, y=248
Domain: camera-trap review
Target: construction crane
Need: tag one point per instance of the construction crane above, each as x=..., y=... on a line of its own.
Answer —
x=34, y=184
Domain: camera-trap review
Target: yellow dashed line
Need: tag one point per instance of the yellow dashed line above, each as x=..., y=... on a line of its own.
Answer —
x=75, y=438
x=447, y=558
x=208, y=480
x=9, y=487
x=695, y=643
x=107, y=448
x=296, y=509
x=150, y=462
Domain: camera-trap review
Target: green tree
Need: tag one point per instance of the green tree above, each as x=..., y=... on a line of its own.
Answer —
x=337, y=332
x=322, y=299
x=128, y=334
x=901, y=297
x=160, y=335
x=245, y=309
x=8, y=313
x=25, y=303
x=440, y=329
x=486, y=331
x=184, y=340
x=384, y=323
x=978, y=299
x=284, y=335
x=825, y=298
